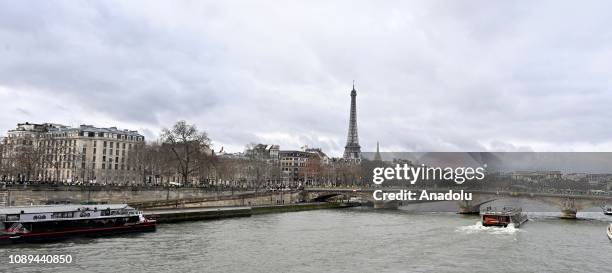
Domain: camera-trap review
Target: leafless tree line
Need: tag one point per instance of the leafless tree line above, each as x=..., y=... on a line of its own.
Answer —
x=181, y=157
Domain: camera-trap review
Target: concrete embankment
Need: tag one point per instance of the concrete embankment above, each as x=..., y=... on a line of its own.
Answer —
x=17, y=196
x=299, y=207
x=194, y=214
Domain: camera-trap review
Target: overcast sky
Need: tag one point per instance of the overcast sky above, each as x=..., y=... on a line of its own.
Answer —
x=431, y=75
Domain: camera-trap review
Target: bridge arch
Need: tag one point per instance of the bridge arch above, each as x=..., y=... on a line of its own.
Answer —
x=325, y=197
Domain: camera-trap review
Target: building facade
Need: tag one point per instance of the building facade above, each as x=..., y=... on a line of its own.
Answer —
x=536, y=176
x=301, y=167
x=55, y=152
x=266, y=152
x=293, y=163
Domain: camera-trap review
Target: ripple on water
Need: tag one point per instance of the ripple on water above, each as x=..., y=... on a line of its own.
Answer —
x=339, y=241
x=479, y=228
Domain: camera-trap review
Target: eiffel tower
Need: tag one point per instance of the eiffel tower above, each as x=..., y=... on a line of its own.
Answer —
x=352, y=150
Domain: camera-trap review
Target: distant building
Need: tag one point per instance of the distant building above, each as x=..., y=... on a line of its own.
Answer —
x=266, y=152
x=67, y=154
x=225, y=155
x=292, y=165
x=301, y=166
x=598, y=179
x=402, y=161
x=318, y=155
x=576, y=176
x=535, y=176
x=258, y=165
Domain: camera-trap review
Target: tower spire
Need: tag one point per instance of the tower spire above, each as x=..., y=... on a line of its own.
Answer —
x=377, y=156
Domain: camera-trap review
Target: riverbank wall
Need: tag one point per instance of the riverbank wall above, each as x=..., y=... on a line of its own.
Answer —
x=143, y=197
x=235, y=200
x=299, y=207
x=196, y=214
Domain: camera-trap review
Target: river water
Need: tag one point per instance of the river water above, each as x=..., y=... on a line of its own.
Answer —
x=342, y=240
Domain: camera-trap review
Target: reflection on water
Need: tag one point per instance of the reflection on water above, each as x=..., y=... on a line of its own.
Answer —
x=349, y=240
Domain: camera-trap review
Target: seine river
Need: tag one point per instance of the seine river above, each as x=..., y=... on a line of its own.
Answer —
x=343, y=240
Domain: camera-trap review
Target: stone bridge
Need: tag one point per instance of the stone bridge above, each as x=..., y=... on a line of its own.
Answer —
x=568, y=204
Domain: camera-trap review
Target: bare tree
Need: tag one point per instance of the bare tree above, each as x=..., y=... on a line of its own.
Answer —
x=28, y=158
x=187, y=145
x=148, y=161
x=313, y=171
x=204, y=163
x=5, y=167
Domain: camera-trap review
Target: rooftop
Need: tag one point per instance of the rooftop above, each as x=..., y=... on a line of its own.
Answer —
x=54, y=127
x=58, y=208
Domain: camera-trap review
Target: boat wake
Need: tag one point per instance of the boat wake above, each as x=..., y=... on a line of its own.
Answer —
x=479, y=228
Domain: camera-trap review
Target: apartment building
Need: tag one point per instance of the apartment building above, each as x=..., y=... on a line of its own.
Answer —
x=55, y=152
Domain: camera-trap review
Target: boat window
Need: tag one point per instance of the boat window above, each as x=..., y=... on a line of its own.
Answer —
x=12, y=217
x=105, y=212
x=62, y=215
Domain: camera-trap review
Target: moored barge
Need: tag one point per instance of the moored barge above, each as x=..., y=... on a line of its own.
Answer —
x=504, y=217
x=51, y=222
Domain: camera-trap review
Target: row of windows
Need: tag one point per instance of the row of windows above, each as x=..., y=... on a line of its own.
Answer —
x=56, y=157
x=58, y=143
x=84, y=175
x=108, y=135
x=110, y=166
x=48, y=173
x=110, y=152
x=108, y=212
x=60, y=150
x=56, y=215
x=59, y=164
x=300, y=164
x=294, y=158
x=55, y=134
x=61, y=161
x=110, y=159
x=110, y=145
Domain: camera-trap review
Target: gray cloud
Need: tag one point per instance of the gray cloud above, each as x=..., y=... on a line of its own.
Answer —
x=431, y=75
